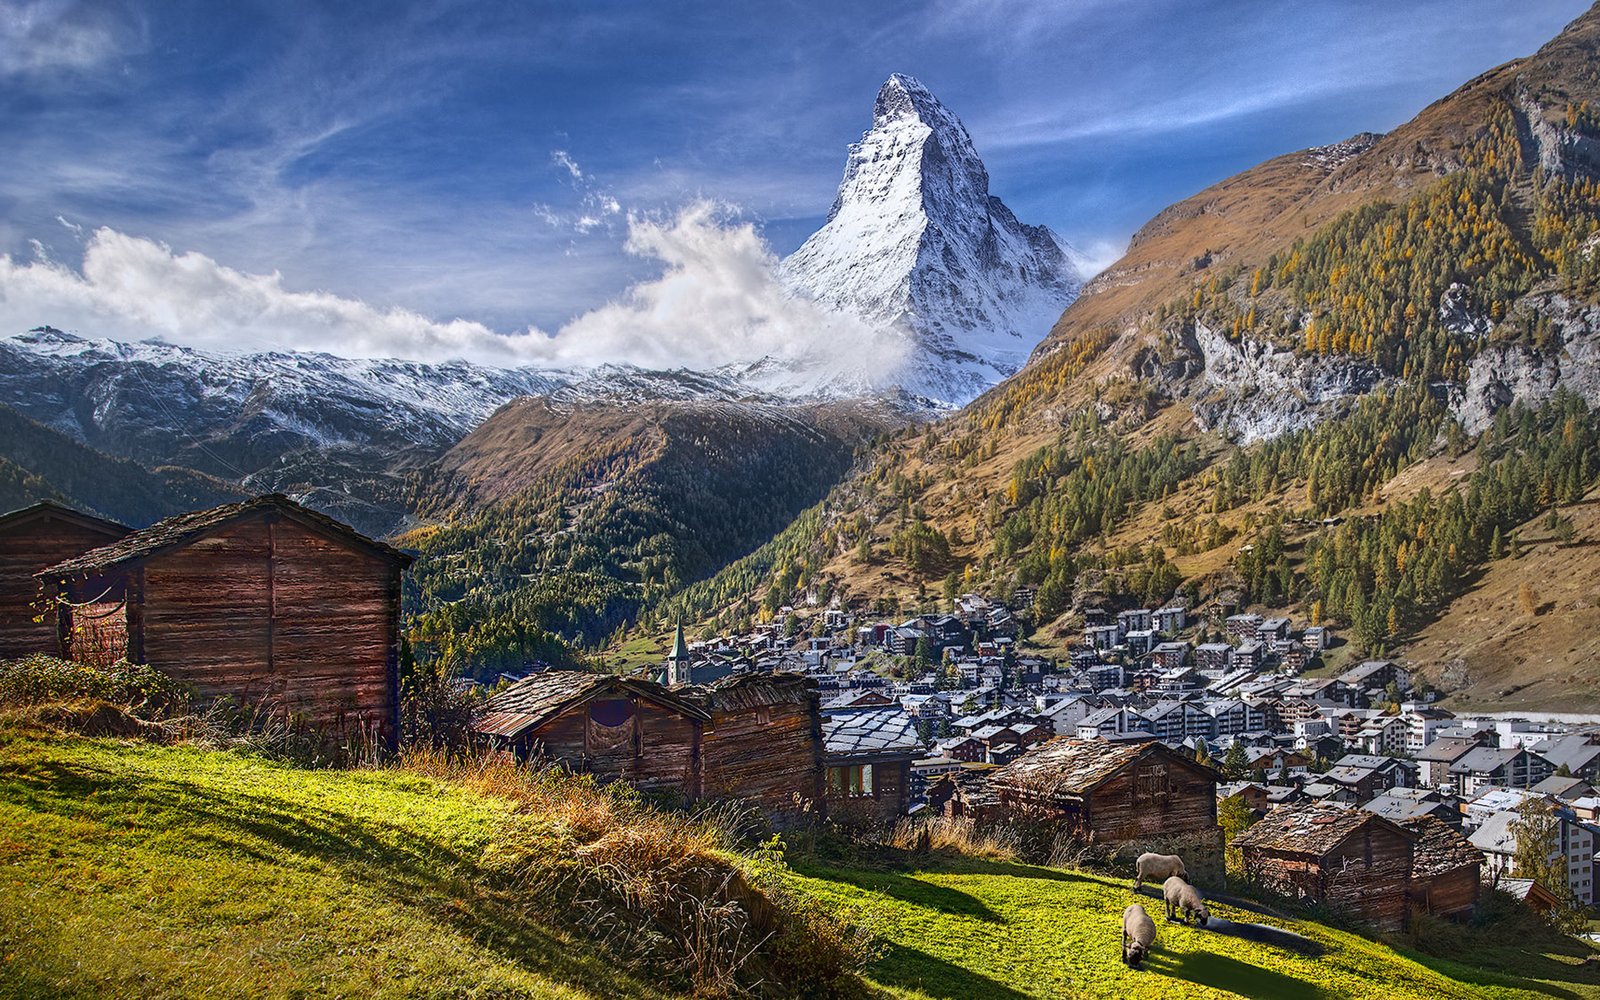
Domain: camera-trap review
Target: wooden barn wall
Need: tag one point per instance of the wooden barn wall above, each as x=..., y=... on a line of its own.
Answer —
x=770, y=755
x=333, y=631
x=658, y=749
x=207, y=612
x=1451, y=894
x=890, y=781
x=1028, y=805
x=1146, y=800
x=1150, y=799
x=1367, y=876
x=25, y=549
x=274, y=614
x=1370, y=875
x=1297, y=876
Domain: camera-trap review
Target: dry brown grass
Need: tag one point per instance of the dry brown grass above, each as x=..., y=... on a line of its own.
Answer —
x=666, y=891
x=955, y=835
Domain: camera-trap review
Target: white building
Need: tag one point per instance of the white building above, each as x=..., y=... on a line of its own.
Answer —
x=1575, y=841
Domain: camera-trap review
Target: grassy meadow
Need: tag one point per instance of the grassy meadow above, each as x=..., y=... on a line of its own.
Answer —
x=130, y=868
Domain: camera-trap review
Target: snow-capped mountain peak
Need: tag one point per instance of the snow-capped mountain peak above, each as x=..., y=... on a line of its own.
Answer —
x=916, y=241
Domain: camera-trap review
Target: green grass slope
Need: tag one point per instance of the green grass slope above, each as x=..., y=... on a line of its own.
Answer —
x=133, y=869
x=1009, y=931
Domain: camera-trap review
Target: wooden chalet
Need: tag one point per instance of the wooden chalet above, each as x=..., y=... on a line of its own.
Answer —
x=1533, y=894
x=1446, y=870
x=263, y=601
x=32, y=538
x=755, y=737
x=763, y=744
x=868, y=757
x=1110, y=791
x=616, y=728
x=1346, y=859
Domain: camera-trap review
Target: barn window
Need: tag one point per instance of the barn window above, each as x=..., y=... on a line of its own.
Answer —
x=611, y=726
x=764, y=716
x=1150, y=785
x=850, y=782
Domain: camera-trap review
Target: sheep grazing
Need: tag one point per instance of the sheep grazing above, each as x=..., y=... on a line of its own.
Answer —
x=1184, y=901
x=1155, y=867
x=1138, y=935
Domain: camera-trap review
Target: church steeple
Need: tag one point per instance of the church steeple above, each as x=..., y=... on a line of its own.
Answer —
x=680, y=648
x=677, y=671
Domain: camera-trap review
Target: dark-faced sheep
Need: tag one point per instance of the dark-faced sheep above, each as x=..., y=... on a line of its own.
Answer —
x=1184, y=901
x=1138, y=935
x=1155, y=867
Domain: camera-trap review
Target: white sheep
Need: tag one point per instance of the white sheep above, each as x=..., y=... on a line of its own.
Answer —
x=1138, y=935
x=1184, y=901
x=1155, y=867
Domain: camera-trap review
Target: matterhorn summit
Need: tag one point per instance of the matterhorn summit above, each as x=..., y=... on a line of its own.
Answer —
x=916, y=243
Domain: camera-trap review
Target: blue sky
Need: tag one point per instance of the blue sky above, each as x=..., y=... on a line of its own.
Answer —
x=482, y=161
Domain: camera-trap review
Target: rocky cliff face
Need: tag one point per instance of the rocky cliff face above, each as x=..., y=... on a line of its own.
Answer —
x=1502, y=374
x=916, y=242
x=1252, y=391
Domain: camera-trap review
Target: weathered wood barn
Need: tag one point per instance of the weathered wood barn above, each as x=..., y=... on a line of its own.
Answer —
x=1326, y=855
x=1111, y=792
x=868, y=755
x=264, y=601
x=1446, y=870
x=616, y=728
x=31, y=539
x=764, y=744
x=755, y=737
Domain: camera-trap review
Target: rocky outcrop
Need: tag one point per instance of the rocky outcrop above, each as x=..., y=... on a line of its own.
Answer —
x=1502, y=374
x=1252, y=391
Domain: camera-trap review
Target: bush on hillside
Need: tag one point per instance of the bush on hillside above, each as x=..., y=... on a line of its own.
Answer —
x=437, y=705
x=135, y=700
x=145, y=692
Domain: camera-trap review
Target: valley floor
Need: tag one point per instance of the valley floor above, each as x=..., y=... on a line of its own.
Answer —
x=133, y=869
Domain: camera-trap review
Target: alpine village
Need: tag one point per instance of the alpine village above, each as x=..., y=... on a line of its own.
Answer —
x=1219, y=621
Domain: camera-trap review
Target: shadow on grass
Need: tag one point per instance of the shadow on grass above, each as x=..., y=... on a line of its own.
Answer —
x=1221, y=972
x=915, y=891
x=1264, y=934
x=908, y=968
x=420, y=872
x=1534, y=972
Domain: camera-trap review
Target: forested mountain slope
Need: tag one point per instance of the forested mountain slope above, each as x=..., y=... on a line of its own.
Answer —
x=1321, y=335
x=571, y=514
x=44, y=464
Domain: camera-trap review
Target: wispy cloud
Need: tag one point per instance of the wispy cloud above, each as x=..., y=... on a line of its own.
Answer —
x=596, y=207
x=564, y=160
x=55, y=35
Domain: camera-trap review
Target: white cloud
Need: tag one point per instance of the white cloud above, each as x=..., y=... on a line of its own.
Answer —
x=134, y=289
x=1099, y=255
x=717, y=301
